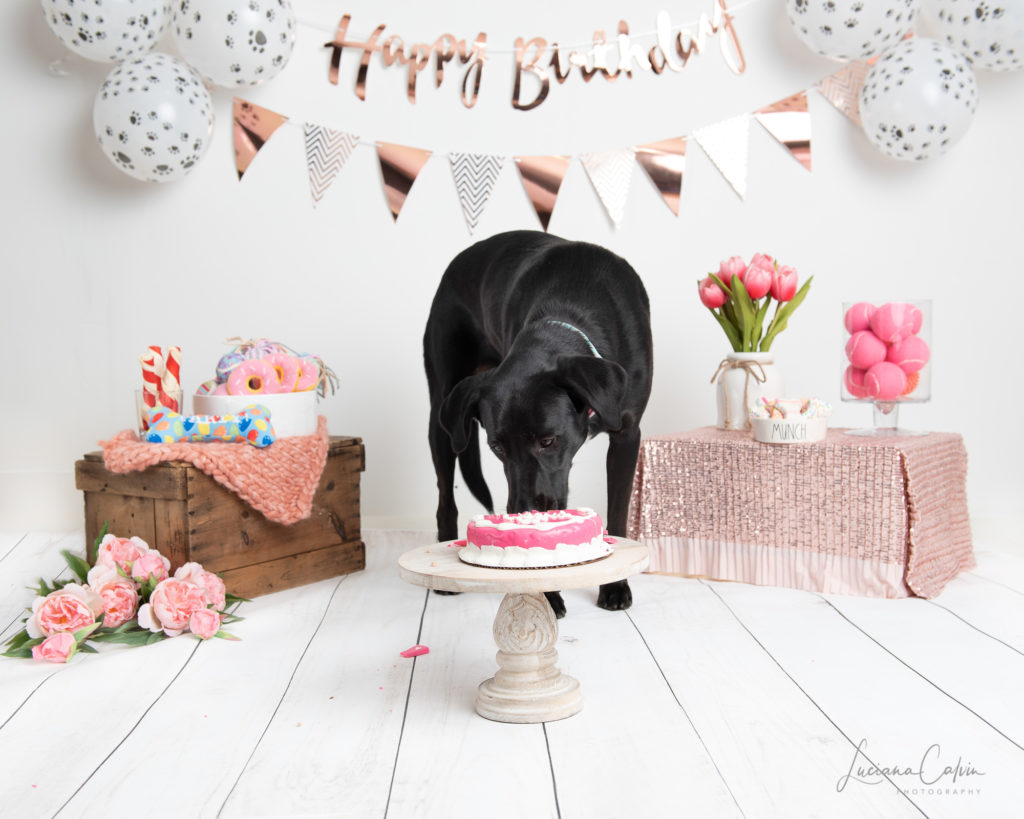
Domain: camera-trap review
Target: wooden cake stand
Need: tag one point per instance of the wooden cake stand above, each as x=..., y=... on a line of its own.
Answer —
x=528, y=687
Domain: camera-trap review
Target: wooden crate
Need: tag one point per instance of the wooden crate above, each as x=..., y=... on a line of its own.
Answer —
x=188, y=516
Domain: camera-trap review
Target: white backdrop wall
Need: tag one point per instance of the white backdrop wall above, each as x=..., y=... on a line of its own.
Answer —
x=97, y=265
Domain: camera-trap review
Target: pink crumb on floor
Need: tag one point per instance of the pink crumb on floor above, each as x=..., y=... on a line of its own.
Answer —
x=415, y=651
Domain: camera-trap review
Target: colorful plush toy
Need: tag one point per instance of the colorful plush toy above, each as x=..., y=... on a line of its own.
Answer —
x=252, y=426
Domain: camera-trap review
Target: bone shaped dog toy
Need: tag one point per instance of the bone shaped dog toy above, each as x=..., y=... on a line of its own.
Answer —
x=252, y=426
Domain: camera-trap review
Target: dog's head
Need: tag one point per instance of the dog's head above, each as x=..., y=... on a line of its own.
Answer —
x=536, y=423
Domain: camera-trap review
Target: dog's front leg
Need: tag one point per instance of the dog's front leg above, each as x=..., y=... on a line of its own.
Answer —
x=623, y=449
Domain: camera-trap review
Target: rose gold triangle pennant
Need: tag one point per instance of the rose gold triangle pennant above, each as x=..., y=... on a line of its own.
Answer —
x=842, y=88
x=542, y=177
x=399, y=165
x=789, y=121
x=665, y=162
x=254, y=126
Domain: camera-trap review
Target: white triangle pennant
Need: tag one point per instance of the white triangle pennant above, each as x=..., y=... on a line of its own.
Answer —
x=326, y=153
x=725, y=143
x=611, y=172
x=475, y=175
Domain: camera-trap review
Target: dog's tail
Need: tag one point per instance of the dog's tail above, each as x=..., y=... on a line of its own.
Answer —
x=472, y=473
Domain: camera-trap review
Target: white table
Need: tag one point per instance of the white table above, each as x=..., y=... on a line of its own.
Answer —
x=528, y=687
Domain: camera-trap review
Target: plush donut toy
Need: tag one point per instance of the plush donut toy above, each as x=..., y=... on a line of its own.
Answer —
x=309, y=374
x=253, y=377
x=286, y=367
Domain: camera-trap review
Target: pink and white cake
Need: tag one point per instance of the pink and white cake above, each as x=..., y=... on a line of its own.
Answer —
x=536, y=540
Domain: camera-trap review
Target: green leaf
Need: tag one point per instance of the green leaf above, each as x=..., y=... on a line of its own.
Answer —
x=19, y=639
x=730, y=331
x=226, y=636
x=745, y=312
x=99, y=537
x=79, y=567
x=88, y=649
x=234, y=598
x=42, y=589
x=759, y=321
x=142, y=637
x=19, y=653
x=84, y=632
x=720, y=283
x=782, y=315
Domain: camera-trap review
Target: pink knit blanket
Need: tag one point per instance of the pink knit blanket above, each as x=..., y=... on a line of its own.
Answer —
x=278, y=481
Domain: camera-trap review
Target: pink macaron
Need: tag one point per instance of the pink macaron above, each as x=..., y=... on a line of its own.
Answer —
x=864, y=348
x=885, y=381
x=893, y=321
x=854, y=380
x=910, y=353
x=858, y=317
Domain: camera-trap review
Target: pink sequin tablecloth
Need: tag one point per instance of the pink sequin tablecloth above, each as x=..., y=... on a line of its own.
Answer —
x=882, y=517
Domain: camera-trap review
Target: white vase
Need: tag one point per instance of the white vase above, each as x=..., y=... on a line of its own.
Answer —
x=741, y=380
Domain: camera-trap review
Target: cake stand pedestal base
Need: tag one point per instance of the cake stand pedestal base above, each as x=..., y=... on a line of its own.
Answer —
x=528, y=686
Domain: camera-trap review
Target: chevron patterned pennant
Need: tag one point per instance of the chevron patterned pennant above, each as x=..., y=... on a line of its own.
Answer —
x=326, y=153
x=610, y=172
x=725, y=143
x=475, y=175
x=842, y=89
x=789, y=121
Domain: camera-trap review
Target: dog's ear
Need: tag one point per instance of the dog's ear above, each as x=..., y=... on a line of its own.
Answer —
x=459, y=409
x=594, y=384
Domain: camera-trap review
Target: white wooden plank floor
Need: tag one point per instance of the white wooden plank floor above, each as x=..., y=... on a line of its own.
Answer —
x=706, y=699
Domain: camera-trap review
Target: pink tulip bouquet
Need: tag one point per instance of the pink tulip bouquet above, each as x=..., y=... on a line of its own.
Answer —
x=740, y=295
x=128, y=596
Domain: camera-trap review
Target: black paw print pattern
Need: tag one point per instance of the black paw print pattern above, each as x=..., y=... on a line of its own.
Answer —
x=851, y=29
x=984, y=32
x=917, y=70
x=108, y=33
x=151, y=112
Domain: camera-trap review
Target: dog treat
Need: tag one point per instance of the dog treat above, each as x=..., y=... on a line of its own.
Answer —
x=414, y=651
x=251, y=426
x=533, y=540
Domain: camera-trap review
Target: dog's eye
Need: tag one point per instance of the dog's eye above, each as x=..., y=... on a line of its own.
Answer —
x=544, y=443
x=497, y=449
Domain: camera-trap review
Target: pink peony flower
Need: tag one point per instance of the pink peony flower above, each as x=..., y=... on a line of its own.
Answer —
x=204, y=623
x=150, y=564
x=171, y=606
x=733, y=266
x=120, y=599
x=758, y=282
x=68, y=609
x=120, y=552
x=710, y=293
x=57, y=648
x=784, y=282
x=214, y=591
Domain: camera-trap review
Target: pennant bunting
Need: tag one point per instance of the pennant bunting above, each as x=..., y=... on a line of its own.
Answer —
x=664, y=162
x=789, y=121
x=253, y=127
x=475, y=175
x=326, y=152
x=725, y=143
x=542, y=177
x=610, y=173
x=842, y=89
x=399, y=165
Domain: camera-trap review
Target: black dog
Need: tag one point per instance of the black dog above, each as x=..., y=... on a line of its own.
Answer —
x=545, y=343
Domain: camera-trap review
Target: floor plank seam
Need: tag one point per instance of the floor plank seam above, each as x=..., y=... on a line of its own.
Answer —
x=405, y=710
x=686, y=714
x=284, y=694
x=138, y=722
x=17, y=543
x=976, y=628
x=30, y=695
x=813, y=702
x=996, y=582
x=551, y=765
x=934, y=685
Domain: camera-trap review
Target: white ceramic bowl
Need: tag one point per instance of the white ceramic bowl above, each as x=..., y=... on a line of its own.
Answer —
x=796, y=430
x=291, y=413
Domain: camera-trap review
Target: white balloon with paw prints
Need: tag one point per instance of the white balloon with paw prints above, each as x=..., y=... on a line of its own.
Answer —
x=851, y=29
x=153, y=117
x=108, y=30
x=918, y=100
x=989, y=34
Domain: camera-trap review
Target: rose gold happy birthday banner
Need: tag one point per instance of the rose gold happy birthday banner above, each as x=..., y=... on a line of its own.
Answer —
x=610, y=172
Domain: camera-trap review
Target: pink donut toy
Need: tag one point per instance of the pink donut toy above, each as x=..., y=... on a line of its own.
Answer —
x=858, y=317
x=893, y=321
x=910, y=354
x=252, y=377
x=864, y=348
x=220, y=389
x=309, y=374
x=885, y=381
x=287, y=369
x=854, y=379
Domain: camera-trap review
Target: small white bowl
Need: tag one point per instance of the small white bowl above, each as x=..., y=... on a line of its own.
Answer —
x=798, y=430
x=291, y=413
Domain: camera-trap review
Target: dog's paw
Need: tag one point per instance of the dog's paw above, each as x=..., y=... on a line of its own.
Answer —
x=442, y=591
x=557, y=603
x=615, y=596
